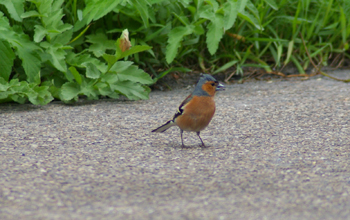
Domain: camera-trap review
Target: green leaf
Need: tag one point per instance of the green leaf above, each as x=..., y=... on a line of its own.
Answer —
x=319, y=50
x=158, y=32
x=22, y=91
x=99, y=44
x=76, y=74
x=69, y=91
x=58, y=56
x=109, y=78
x=110, y=59
x=133, y=50
x=80, y=34
x=64, y=27
x=78, y=60
x=26, y=50
x=272, y=4
x=297, y=64
x=183, y=19
x=39, y=33
x=172, y=69
x=279, y=54
x=14, y=83
x=31, y=63
x=63, y=38
x=142, y=8
x=121, y=66
x=91, y=71
x=175, y=37
x=134, y=74
x=3, y=96
x=42, y=96
x=19, y=97
x=14, y=7
x=29, y=14
x=6, y=60
x=215, y=33
x=207, y=12
x=226, y=66
x=197, y=30
x=87, y=88
x=4, y=85
x=231, y=11
x=103, y=88
x=289, y=51
x=131, y=90
x=96, y=9
x=343, y=25
x=251, y=7
x=251, y=19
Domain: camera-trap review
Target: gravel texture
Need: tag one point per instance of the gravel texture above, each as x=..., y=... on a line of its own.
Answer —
x=276, y=150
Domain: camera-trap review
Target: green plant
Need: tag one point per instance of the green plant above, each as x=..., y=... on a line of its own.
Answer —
x=42, y=59
x=70, y=49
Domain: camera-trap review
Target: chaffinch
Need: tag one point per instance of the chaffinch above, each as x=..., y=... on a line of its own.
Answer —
x=197, y=110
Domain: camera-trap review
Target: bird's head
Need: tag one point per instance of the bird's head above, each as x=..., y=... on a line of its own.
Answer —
x=207, y=86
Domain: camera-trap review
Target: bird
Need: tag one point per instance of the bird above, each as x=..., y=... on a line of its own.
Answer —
x=196, y=111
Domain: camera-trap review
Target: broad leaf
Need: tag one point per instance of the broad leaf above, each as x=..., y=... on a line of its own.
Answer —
x=96, y=9
x=42, y=96
x=99, y=44
x=58, y=56
x=109, y=78
x=29, y=14
x=215, y=33
x=4, y=85
x=121, y=66
x=134, y=74
x=103, y=88
x=131, y=90
x=231, y=11
x=176, y=35
x=87, y=88
x=78, y=60
x=39, y=33
x=135, y=49
x=6, y=60
x=91, y=71
x=69, y=91
x=14, y=7
x=31, y=63
x=110, y=59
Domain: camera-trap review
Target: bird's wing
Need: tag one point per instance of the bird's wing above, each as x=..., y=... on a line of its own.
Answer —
x=180, y=110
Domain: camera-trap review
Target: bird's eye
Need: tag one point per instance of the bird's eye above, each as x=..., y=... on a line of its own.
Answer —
x=213, y=84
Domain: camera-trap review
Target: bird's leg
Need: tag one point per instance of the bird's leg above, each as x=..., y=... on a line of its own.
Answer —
x=182, y=140
x=203, y=145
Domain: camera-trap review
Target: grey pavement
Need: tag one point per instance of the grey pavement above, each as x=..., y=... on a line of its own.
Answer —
x=276, y=150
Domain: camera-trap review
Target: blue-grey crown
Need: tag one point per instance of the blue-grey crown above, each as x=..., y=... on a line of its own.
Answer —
x=207, y=77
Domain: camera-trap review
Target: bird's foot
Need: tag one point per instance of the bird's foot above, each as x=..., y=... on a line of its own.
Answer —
x=184, y=146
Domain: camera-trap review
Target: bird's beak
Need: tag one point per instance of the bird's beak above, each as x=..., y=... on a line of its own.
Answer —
x=220, y=87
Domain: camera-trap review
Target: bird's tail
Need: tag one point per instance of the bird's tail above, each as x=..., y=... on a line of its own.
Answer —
x=165, y=126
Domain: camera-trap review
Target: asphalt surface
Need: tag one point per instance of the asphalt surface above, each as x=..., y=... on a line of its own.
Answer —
x=276, y=150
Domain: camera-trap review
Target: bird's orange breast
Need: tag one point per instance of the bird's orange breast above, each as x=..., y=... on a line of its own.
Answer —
x=197, y=114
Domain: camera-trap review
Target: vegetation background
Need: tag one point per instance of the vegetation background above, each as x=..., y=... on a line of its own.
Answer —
x=66, y=49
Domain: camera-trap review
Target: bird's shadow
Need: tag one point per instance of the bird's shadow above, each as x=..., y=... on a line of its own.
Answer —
x=176, y=145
